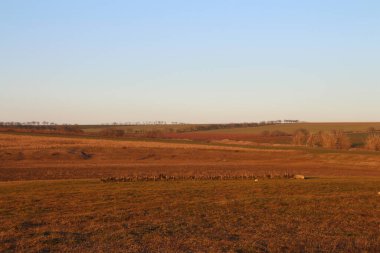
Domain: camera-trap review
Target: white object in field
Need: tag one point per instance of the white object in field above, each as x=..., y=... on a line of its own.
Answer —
x=299, y=176
x=256, y=180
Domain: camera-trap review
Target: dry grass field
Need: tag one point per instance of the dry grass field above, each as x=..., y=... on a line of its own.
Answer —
x=52, y=199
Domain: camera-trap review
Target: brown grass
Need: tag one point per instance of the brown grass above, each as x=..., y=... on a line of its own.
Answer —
x=320, y=215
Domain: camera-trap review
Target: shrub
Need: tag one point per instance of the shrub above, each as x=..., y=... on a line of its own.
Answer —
x=373, y=142
x=314, y=140
x=300, y=136
x=335, y=140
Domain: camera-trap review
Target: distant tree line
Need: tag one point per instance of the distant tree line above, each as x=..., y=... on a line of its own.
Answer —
x=44, y=127
x=149, y=123
x=28, y=123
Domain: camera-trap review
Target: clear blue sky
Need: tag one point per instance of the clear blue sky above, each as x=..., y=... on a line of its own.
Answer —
x=191, y=61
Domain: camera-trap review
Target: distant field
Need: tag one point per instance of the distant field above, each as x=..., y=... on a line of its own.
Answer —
x=312, y=127
x=267, y=134
x=140, y=128
x=37, y=157
x=357, y=131
x=287, y=128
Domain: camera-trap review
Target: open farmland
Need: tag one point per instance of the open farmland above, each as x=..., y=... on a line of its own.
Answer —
x=52, y=199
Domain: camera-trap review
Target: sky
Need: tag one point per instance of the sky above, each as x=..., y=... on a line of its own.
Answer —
x=93, y=61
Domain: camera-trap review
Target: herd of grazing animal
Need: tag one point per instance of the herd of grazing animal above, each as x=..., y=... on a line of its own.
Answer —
x=163, y=177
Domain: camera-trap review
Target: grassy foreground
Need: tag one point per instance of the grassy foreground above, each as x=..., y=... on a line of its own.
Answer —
x=316, y=215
